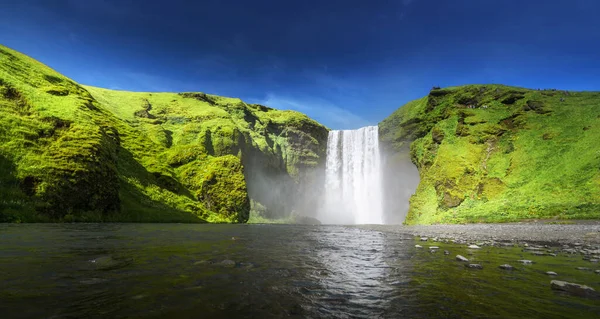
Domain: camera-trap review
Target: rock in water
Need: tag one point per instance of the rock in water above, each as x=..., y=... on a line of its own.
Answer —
x=506, y=267
x=228, y=263
x=461, y=258
x=574, y=289
x=474, y=266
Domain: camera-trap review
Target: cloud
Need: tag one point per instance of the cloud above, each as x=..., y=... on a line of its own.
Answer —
x=322, y=111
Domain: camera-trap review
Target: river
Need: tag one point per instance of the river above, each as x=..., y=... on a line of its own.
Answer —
x=267, y=271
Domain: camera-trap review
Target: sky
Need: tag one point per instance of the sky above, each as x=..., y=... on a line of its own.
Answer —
x=345, y=63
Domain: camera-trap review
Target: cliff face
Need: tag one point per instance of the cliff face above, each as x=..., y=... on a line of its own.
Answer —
x=488, y=153
x=73, y=152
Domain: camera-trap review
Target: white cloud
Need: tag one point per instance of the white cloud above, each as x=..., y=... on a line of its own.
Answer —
x=322, y=111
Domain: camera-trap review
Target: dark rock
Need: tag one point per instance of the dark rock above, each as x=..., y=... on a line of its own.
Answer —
x=228, y=263
x=574, y=289
x=474, y=266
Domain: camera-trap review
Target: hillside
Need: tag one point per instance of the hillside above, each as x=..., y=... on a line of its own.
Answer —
x=70, y=152
x=493, y=153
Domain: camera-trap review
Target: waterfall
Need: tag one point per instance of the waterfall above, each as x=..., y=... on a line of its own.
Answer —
x=353, y=187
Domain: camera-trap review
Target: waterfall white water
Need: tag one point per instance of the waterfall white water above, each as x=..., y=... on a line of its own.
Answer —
x=353, y=183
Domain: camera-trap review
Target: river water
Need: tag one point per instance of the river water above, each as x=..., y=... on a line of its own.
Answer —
x=266, y=271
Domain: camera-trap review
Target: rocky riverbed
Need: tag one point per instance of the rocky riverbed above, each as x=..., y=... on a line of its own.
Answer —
x=570, y=233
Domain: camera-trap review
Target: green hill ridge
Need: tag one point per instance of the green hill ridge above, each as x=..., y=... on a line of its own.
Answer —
x=494, y=153
x=70, y=152
x=485, y=153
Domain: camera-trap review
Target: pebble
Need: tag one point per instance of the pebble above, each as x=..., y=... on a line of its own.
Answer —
x=418, y=246
x=446, y=252
x=593, y=260
x=551, y=273
x=474, y=266
x=582, y=268
x=597, y=271
x=434, y=247
x=424, y=238
x=525, y=261
x=461, y=258
x=474, y=247
x=506, y=267
x=575, y=289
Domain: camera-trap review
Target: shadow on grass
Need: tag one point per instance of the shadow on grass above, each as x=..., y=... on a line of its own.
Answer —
x=137, y=206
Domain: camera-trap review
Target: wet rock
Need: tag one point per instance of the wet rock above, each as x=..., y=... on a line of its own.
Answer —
x=583, y=268
x=474, y=266
x=525, y=261
x=473, y=247
x=533, y=248
x=538, y=253
x=570, y=251
x=418, y=246
x=552, y=254
x=574, y=289
x=551, y=273
x=577, y=244
x=461, y=258
x=506, y=267
x=593, y=260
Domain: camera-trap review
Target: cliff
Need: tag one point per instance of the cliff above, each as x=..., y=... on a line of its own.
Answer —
x=70, y=152
x=493, y=153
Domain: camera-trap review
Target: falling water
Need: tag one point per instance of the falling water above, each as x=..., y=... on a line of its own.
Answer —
x=353, y=178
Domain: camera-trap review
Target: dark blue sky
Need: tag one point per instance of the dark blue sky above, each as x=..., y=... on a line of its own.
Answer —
x=345, y=63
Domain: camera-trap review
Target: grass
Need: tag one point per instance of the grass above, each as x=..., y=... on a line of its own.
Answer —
x=515, y=154
x=70, y=152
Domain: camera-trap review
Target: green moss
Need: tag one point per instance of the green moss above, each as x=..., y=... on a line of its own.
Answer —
x=78, y=153
x=492, y=153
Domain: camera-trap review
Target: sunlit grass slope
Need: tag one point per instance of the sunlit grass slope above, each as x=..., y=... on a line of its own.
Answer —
x=493, y=153
x=77, y=153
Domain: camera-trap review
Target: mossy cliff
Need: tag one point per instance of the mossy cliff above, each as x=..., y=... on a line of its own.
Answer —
x=76, y=153
x=493, y=153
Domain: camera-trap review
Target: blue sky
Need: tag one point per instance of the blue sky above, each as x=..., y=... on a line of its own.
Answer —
x=345, y=63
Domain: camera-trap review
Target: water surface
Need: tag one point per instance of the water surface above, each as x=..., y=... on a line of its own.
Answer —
x=267, y=271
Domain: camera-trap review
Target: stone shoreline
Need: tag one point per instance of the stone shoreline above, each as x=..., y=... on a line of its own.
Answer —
x=581, y=232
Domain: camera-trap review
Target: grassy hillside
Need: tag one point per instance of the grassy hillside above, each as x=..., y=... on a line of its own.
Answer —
x=493, y=153
x=73, y=152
